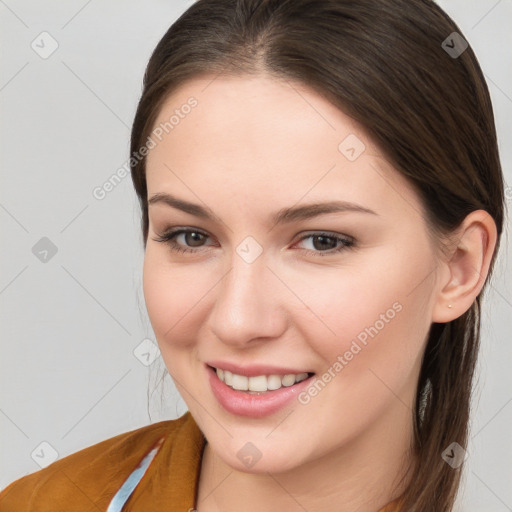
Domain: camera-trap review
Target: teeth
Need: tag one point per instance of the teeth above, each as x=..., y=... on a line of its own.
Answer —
x=274, y=382
x=259, y=383
x=240, y=382
x=288, y=380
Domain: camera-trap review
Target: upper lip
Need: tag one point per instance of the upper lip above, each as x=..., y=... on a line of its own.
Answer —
x=255, y=369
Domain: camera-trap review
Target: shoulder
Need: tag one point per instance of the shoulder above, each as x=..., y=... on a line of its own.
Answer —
x=87, y=479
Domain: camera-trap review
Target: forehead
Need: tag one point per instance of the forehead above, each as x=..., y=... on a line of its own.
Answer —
x=267, y=140
x=263, y=115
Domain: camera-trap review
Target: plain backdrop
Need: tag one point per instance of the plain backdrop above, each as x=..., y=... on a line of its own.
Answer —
x=76, y=342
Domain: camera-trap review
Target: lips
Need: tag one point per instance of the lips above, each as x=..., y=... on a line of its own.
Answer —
x=254, y=404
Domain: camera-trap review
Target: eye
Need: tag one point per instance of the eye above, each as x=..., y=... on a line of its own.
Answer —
x=328, y=241
x=192, y=236
x=323, y=243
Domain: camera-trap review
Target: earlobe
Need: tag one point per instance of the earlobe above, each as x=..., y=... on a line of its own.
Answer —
x=468, y=266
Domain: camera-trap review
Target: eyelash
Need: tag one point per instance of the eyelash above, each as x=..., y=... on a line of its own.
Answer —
x=169, y=236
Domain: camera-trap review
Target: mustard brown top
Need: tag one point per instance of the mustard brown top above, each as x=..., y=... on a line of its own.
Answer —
x=152, y=468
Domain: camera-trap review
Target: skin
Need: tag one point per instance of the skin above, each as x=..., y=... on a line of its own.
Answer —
x=252, y=146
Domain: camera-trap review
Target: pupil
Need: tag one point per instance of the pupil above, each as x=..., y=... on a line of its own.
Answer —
x=324, y=238
x=194, y=236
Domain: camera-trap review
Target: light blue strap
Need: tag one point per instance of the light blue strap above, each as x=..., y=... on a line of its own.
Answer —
x=121, y=496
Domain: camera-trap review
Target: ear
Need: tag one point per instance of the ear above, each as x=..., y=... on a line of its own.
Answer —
x=466, y=267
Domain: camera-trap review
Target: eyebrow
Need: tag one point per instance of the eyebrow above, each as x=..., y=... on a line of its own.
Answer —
x=285, y=215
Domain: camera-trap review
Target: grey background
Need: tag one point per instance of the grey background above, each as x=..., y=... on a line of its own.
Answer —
x=73, y=371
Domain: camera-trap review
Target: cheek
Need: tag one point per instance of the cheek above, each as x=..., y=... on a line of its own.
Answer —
x=372, y=362
x=372, y=315
x=170, y=298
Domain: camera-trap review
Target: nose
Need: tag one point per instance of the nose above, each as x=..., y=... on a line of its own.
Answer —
x=248, y=304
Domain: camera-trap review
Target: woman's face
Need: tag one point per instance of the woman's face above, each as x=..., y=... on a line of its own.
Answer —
x=346, y=295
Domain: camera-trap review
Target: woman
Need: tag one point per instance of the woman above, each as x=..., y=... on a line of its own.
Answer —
x=322, y=204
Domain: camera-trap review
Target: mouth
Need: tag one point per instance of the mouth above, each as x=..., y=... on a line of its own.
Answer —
x=259, y=384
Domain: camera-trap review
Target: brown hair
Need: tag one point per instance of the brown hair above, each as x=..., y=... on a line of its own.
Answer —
x=382, y=63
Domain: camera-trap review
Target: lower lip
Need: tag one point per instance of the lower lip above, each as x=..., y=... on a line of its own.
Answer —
x=254, y=406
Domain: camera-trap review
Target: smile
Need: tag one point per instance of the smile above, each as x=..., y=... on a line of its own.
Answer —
x=259, y=383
